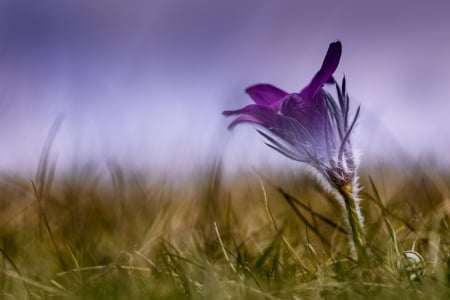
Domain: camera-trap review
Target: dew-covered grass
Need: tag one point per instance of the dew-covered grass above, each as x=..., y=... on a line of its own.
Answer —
x=91, y=234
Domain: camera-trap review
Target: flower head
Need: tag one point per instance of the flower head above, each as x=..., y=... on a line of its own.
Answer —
x=309, y=126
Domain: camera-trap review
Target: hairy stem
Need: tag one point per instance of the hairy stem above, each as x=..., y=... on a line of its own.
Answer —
x=354, y=220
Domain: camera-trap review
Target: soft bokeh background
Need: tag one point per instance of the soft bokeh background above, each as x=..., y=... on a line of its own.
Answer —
x=144, y=82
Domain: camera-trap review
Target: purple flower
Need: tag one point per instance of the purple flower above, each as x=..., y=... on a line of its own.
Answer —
x=309, y=126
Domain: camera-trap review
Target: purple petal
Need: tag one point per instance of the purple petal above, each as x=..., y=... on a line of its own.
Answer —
x=284, y=127
x=291, y=132
x=331, y=80
x=257, y=113
x=245, y=110
x=309, y=113
x=266, y=95
x=329, y=65
x=244, y=119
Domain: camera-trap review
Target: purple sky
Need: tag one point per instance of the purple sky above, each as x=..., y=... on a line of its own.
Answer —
x=144, y=82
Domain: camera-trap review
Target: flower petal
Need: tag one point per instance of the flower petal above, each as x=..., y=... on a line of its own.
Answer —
x=310, y=114
x=266, y=95
x=329, y=65
x=305, y=110
x=254, y=113
x=294, y=139
x=242, y=119
x=288, y=129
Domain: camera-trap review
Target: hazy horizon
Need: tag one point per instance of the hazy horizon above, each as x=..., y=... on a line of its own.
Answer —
x=144, y=83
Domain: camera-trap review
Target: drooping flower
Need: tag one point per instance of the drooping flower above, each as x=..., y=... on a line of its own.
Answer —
x=312, y=127
x=309, y=126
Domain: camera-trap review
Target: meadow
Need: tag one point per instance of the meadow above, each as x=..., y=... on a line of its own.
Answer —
x=118, y=234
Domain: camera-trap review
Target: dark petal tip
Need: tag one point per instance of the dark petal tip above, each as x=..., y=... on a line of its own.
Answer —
x=326, y=71
x=331, y=80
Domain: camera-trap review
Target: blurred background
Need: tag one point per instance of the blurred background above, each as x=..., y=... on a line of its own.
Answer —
x=144, y=83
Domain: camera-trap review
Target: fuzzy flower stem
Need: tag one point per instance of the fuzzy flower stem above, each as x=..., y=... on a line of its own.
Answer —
x=358, y=237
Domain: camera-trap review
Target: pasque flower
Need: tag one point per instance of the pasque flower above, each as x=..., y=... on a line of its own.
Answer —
x=311, y=127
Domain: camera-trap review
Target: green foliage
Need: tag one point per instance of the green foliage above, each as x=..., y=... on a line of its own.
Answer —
x=88, y=235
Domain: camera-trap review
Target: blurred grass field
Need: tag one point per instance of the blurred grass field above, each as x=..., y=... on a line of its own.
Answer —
x=91, y=234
